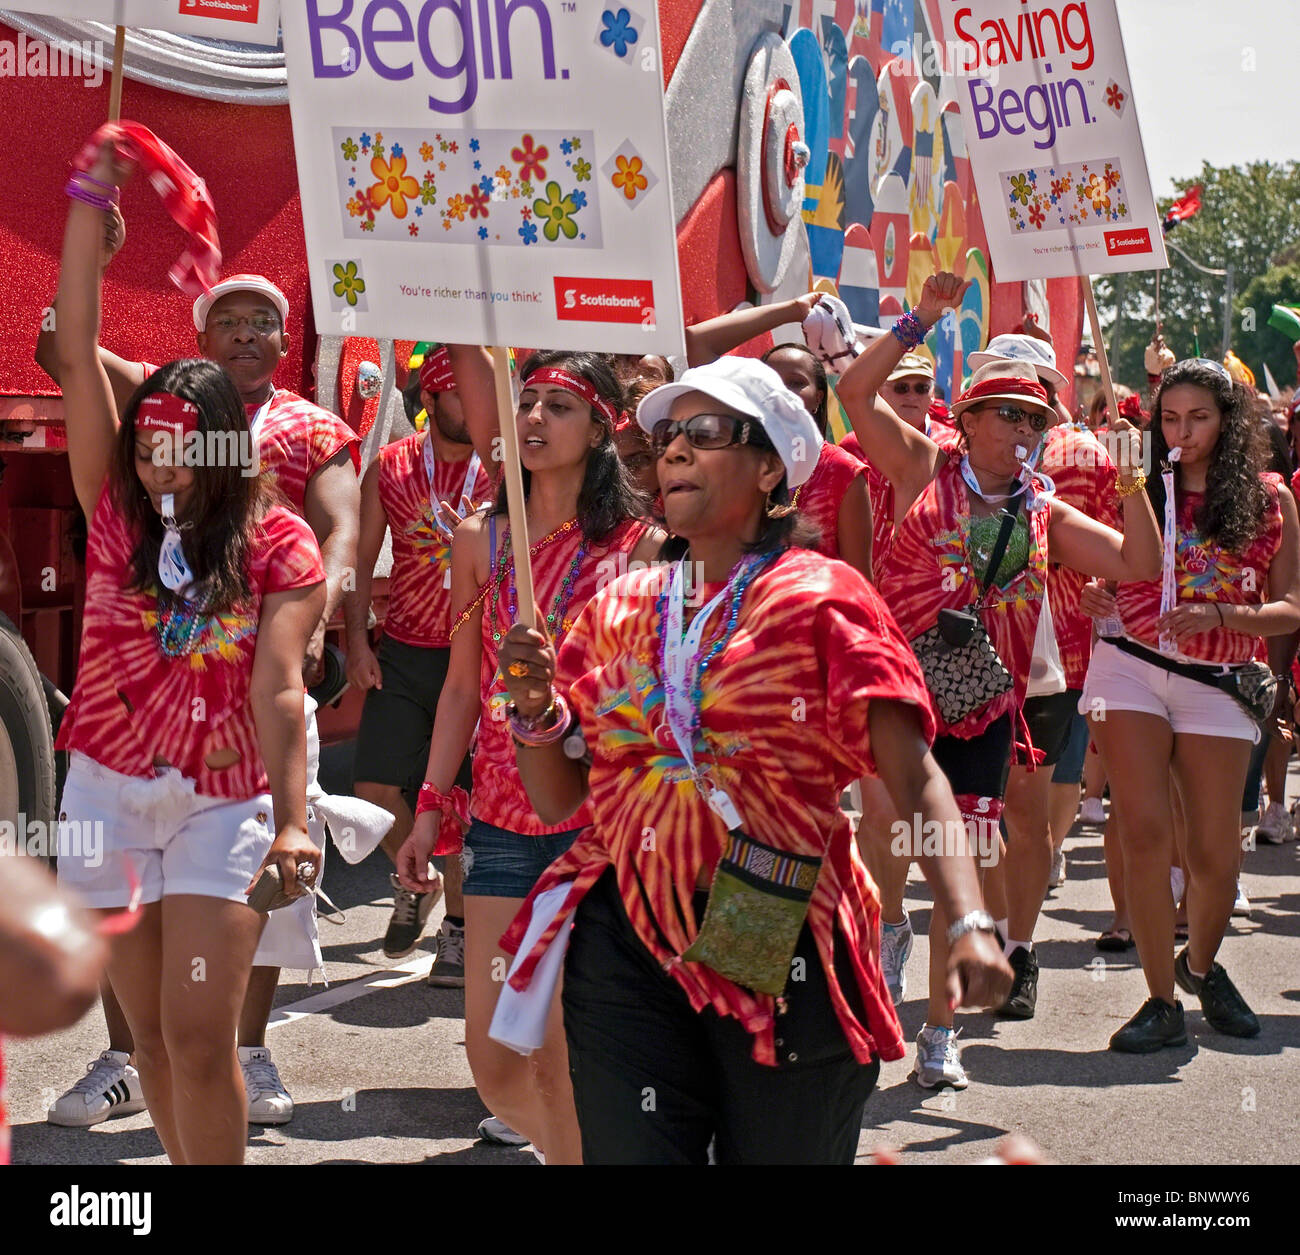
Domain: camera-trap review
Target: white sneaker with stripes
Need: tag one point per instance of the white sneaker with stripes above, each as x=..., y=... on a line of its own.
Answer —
x=111, y=1087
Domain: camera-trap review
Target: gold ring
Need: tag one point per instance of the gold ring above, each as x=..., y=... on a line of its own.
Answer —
x=518, y=669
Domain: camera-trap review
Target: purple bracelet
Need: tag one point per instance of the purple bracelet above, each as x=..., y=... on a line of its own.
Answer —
x=908, y=331
x=532, y=737
x=110, y=188
x=87, y=197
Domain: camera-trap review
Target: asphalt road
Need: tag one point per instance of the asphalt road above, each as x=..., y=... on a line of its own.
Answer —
x=377, y=1065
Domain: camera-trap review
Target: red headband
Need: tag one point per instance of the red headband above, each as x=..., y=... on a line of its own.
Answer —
x=579, y=387
x=1003, y=387
x=183, y=193
x=165, y=411
x=435, y=372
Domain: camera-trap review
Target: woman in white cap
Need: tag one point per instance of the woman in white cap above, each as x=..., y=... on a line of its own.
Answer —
x=1232, y=562
x=585, y=527
x=186, y=731
x=965, y=578
x=722, y=983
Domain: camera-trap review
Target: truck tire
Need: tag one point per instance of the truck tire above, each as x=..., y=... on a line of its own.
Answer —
x=26, y=742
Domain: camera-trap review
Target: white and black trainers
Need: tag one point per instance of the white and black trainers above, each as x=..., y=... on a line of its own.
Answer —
x=268, y=1100
x=111, y=1087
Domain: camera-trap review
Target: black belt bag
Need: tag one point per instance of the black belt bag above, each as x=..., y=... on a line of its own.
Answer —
x=1252, y=685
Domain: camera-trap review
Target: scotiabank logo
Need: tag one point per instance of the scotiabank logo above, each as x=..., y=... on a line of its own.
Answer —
x=1119, y=243
x=226, y=10
x=605, y=300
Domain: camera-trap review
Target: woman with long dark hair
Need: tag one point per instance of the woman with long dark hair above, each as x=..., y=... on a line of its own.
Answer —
x=1156, y=696
x=722, y=983
x=585, y=524
x=186, y=732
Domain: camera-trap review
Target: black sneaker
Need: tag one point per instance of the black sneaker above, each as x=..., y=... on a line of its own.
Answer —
x=1222, y=1005
x=410, y=912
x=1157, y=1024
x=1023, y=997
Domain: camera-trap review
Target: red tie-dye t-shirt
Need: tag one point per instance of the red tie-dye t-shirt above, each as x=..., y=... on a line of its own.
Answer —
x=822, y=495
x=152, y=683
x=419, y=585
x=499, y=797
x=784, y=727
x=1085, y=478
x=1207, y=572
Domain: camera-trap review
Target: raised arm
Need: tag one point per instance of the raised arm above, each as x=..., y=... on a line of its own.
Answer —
x=707, y=341
x=476, y=384
x=89, y=406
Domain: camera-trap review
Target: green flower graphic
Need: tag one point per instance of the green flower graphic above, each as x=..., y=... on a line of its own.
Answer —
x=350, y=149
x=582, y=169
x=557, y=212
x=1020, y=189
x=350, y=285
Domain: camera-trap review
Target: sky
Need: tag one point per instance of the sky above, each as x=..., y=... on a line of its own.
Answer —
x=1213, y=80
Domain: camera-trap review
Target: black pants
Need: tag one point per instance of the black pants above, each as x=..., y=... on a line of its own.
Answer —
x=655, y=1081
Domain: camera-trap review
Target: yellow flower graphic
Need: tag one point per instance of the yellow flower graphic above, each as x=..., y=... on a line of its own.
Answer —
x=350, y=284
x=557, y=211
x=394, y=185
x=628, y=176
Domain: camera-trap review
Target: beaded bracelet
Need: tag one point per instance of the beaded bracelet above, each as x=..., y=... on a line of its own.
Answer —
x=87, y=197
x=908, y=331
x=110, y=189
x=532, y=736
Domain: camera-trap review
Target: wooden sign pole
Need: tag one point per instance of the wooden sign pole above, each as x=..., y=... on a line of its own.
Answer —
x=115, y=79
x=514, y=474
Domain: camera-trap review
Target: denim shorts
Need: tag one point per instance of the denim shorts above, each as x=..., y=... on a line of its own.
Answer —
x=504, y=864
x=1069, y=767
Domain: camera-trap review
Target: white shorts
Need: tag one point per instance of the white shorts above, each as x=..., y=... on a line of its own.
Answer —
x=176, y=840
x=1119, y=681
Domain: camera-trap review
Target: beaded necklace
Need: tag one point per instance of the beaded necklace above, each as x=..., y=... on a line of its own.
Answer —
x=556, y=623
x=742, y=574
x=180, y=627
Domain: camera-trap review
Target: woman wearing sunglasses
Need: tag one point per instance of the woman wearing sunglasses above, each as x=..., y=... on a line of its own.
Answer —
x=720, y=742
x=186, y=734
x=1230, y=578
x=961, y=512
x=584, y=525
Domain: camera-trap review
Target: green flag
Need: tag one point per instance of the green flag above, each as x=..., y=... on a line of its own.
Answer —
x=1285, y=319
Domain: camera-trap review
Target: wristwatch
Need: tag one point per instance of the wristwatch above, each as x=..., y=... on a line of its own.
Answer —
x=971, y=922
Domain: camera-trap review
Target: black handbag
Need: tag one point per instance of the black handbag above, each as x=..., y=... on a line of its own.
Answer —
x=962, y=669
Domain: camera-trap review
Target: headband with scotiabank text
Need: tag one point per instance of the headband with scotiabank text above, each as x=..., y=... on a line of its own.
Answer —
x=579, y=387
x=435, y=372
x=165, y=411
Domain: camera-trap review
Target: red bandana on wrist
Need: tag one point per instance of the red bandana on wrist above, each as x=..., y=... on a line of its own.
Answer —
x=165, y=411
x=435, y=372
x=183, y=193
x=579, y=387
x=1003, y=387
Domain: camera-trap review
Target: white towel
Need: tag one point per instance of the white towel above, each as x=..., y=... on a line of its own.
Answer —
x=828, y=329
x=520, y=1019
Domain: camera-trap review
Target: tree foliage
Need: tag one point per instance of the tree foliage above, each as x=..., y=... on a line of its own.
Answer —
x=1249, y=220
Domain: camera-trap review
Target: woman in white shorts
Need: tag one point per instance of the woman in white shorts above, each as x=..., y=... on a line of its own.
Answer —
x=1231, y=576
x=185, y=732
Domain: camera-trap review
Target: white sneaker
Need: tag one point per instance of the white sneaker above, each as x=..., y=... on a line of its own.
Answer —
x=494, y=1130
x=1092, y=811
x=1057, y=878
x=1276, y=827
x=895, y=948
x=111, y=1087
x=268, y=1100
x=938, y=1064
x=1242, y=905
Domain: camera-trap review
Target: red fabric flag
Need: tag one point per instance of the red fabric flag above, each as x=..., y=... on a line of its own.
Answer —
x=184, y=195
x=1187, y=206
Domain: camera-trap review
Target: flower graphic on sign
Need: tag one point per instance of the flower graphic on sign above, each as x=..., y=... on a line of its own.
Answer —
x=349, y=285
x=1095, y=191
x=456, y=208
x=618, y=33
x=1020, y=189
x=529, y=158
x=582, y=169
x=558, y=211
x=428, y=193
x=1116, y=96
x=349, y=147
x=628, y=176
x=394, y=185
x=528, y=233
x=1037, y=217
x=478, y=202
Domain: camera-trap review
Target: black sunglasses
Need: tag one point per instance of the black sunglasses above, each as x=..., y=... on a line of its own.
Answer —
x=902, y=388
x=705, y=431
x=1015, y=415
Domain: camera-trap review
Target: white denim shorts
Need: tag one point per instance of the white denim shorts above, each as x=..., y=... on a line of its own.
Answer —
x=176, y=840
x=1119, y=681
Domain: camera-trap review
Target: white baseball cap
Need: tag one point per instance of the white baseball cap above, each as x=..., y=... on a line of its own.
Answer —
x=754, y=389
x=1019, y=348
x=240, y=283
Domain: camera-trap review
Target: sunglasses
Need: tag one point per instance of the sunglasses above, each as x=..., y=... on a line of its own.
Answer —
x=921, y=389
x=262, y=324
x=1014, y=415
x=705, y=431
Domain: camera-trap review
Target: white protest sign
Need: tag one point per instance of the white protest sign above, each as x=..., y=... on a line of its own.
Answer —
x=243, y=21
x=1053, y=137
x=485, y=172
